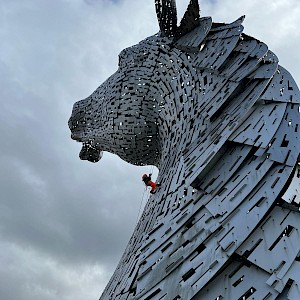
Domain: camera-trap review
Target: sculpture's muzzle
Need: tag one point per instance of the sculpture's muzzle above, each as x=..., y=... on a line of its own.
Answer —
x=77, y=121
x=79, y=127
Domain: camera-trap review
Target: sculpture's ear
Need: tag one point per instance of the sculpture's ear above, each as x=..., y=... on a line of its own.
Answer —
x=190, y=20
x=167, y=17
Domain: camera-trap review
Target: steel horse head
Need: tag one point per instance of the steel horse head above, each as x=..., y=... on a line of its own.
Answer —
x=127, y=114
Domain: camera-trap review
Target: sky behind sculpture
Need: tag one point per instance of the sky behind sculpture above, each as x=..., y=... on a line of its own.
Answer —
x=64, y=223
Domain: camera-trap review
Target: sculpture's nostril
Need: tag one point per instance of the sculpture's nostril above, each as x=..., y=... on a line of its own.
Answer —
x=73, y=122
x=78, y=116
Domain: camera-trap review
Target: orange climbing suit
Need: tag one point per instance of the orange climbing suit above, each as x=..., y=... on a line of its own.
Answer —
x=148, y=182
x=152, y=184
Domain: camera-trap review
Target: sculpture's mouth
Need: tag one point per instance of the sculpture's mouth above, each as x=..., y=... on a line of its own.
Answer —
x=90, y=153
x=76, y=136
x=79, y=133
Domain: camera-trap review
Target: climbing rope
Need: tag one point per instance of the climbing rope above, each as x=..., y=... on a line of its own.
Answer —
x=151, y=170
x=142, y=200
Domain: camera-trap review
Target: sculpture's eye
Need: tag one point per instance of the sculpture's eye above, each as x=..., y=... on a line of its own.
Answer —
x=125, y=58
x=131, y=57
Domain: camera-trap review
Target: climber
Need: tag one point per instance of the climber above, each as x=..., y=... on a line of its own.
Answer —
x=148, y=182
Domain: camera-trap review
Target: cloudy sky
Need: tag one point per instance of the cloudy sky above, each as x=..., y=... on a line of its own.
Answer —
x=64, y=223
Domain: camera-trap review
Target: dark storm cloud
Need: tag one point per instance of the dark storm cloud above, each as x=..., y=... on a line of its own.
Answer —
x=64, y=223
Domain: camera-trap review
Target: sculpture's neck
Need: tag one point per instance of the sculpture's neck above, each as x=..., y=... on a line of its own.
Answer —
x=175, y=99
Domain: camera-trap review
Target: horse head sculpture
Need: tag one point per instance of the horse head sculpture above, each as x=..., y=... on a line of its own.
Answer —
x=126, y=114
x=211, y=107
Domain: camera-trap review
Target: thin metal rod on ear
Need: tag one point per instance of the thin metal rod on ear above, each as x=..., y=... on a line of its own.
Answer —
x=167, y=17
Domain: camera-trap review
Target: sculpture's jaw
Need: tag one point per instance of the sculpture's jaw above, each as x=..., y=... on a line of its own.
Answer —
x=90, y=153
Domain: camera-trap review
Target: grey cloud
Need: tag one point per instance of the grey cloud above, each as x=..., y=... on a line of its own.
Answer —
x=32, y=275
x=52, y=204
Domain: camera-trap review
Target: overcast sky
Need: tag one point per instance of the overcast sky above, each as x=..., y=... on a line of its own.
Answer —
x=64, y=223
